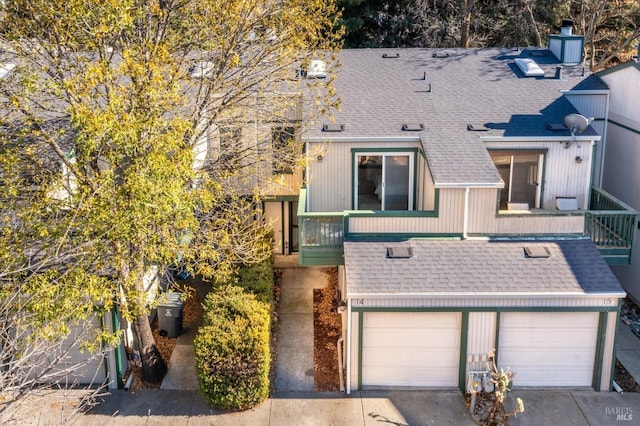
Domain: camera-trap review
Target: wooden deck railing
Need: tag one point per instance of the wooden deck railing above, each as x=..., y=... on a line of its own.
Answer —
x=609, y=222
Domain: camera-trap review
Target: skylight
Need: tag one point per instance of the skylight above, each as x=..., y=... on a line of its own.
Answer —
x=529, y=67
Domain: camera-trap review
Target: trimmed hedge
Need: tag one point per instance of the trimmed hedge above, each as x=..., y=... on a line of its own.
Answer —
x=258, y=279
x=232, y=349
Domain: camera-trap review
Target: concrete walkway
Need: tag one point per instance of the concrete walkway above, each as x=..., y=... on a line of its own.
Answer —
x=628, y=351
x=294, y=358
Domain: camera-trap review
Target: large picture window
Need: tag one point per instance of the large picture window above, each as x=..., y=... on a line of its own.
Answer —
x=384, y=181
x=521, y=172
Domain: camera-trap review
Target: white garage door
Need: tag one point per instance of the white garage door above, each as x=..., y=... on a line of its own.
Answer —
x=72, y=365
x=411, y=349
x=549, y=349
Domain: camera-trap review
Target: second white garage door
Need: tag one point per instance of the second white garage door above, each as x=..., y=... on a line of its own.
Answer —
x=411, y=349
x=549, y=349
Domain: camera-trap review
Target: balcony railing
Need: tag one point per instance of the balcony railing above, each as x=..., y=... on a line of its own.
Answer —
x=610, y=223
x=321, y=235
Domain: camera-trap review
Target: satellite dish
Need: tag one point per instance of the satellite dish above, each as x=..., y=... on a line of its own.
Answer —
x=576, y=122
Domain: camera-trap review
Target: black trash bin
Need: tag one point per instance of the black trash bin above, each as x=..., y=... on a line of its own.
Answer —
x=170, y=314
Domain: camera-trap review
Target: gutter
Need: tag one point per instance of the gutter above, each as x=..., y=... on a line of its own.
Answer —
x=483, y=295
x=317, y=139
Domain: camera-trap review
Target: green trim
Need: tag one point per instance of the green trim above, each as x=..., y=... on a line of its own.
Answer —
x=613, y=353
x=489, y=309
x=594, y=156
x=391, y=213
x=275, y=198
x=563, y=39
x=599, y=355
x=382, y=237
x=462, y=363
x=117, y=350
x=360, y=346
x=497, y=340
x=631, y=129
x=630, y=63
x=105, y=362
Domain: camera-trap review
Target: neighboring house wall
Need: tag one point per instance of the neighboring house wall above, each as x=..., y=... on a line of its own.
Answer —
x=622, y=157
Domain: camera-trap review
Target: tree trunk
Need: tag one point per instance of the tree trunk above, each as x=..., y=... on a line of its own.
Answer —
x=153, y=366
x=465, y=32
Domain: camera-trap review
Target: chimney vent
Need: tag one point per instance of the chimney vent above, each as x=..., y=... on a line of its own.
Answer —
x=567, y=27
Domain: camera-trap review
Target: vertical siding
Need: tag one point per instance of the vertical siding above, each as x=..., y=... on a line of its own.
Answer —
x=589, y=105
x=563, y=177
x=355, y=344
x=625, y=86
x=608, y=351
x=483, y=218
x=449, y=220
x=481, y=338
x=330, y=185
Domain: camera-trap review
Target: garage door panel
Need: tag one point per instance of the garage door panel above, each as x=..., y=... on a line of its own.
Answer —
x=399, y=358
x=404, y=376
x=540, y=320
x=411, y=349
x=562, y=338
x=559, y=352
x=410, y=338
x=412, y=320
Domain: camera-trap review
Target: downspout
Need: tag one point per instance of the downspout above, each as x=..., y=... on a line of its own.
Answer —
x=603, y=140
x=340, y=347
x=465, y=224
x=349, y=344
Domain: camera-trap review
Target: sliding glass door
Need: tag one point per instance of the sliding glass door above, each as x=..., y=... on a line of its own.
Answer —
x=384, y=181
x=521, y=172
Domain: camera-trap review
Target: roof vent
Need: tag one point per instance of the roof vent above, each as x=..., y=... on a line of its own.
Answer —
x=476, y=127
x=333, y=127
x=317, y=69
x=529, y=67
x=556, y=127
x=390, y=55
x=399, y=252
x=412, y=127
x=537, y=252
x=440, y=55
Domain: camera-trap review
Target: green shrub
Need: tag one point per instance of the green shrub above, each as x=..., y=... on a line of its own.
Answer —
x=258, y=279
x=232, y=349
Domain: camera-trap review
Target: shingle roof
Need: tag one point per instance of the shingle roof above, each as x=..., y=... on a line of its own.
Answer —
x=492, y=267
x=479, y=86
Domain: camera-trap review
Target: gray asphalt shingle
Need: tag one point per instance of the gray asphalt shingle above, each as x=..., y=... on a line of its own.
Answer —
x=479, y=86
x=446, y=266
